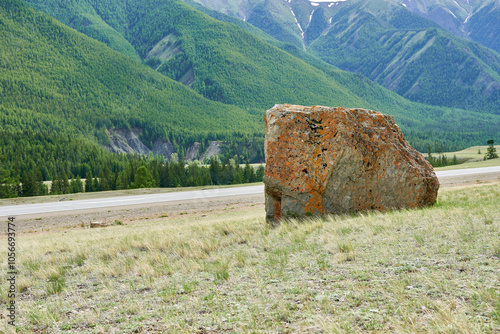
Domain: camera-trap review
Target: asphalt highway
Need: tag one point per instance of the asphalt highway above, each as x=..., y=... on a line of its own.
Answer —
x=470, y=171
x=29, y=209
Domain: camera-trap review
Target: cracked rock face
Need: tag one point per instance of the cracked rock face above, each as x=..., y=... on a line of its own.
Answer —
x=335, y=160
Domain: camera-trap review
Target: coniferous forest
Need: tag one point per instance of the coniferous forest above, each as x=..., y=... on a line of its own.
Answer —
x=60, y=91
x=131, y=172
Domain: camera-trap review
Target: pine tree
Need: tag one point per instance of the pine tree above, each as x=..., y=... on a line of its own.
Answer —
x=95, y=184
x=42, y=188
x=491, y=153
x=430, y=158
x=56, y=187
x=64, y=183
x=164, y=175
x=76, y=185
x=248, y=173
x=143, y=178
x=114, y=181
x=104, y=180
x=29, y=185
x=123, y=180
x=7, y=185
x=259, y=174
x=89, y=186
x=214, y=170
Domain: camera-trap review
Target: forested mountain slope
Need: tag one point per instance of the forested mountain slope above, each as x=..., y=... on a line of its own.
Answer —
x=219, y=60
x=386, y=42
x=227, y=64
x=423, y=64
x=60, y=91
x=419, y=62
x=477, y=20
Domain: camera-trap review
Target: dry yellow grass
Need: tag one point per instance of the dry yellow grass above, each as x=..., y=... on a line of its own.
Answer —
x=472, y=164
x=472, y=153
x=412, y=271
x=473, y=157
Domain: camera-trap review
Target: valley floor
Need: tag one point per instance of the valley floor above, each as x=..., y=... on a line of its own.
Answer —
x=82, y=218
x=216, y=266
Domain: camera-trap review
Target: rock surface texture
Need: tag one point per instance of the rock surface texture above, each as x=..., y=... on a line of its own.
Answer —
x=335, y=160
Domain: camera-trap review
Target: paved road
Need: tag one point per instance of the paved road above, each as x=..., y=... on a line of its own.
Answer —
x=470, y=171
x=28, y=209
x=18, y=210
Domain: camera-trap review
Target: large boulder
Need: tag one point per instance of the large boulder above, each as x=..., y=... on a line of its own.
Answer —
x=335, y=160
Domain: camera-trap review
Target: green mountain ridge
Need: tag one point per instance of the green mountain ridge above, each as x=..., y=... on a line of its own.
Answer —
x=388, y=43
x=423, y=64
x=61, y=90
x=478, y=21
x=95, y=86
x=230, y=65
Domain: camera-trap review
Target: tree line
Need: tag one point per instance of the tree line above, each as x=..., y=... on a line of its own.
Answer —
x=139, y=172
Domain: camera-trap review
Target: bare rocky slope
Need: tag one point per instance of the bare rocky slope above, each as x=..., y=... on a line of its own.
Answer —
x=127, y=141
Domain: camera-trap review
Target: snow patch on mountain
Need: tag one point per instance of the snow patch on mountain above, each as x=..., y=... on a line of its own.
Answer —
x=298, y=24
x=311, y=16
x=329, y=2
x=449, y=11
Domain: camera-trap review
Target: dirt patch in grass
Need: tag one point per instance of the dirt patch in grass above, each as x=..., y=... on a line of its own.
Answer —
x=134, y=214
x=456, y=181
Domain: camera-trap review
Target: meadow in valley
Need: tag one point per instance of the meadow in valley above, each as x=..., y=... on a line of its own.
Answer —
x=412, y=271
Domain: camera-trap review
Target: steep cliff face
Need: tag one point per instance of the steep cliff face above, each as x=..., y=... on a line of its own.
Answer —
x=164, y=148
x=127, y=141
x=193, y=152
x=334, y=160
x=213, y=148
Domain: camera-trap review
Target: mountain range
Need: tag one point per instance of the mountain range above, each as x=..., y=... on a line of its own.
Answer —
x=477, y=20
x=417, y=49
x=84, y=71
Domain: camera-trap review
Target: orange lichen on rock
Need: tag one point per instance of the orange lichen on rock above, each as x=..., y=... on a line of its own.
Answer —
x=335, y=160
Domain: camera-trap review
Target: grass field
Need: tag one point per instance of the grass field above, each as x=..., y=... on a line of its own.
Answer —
x=472, y=164
x=432, y=270
x=473, y=153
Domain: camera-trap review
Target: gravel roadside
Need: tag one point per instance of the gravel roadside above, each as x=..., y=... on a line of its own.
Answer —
x=135, y=214
x=205, y=207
